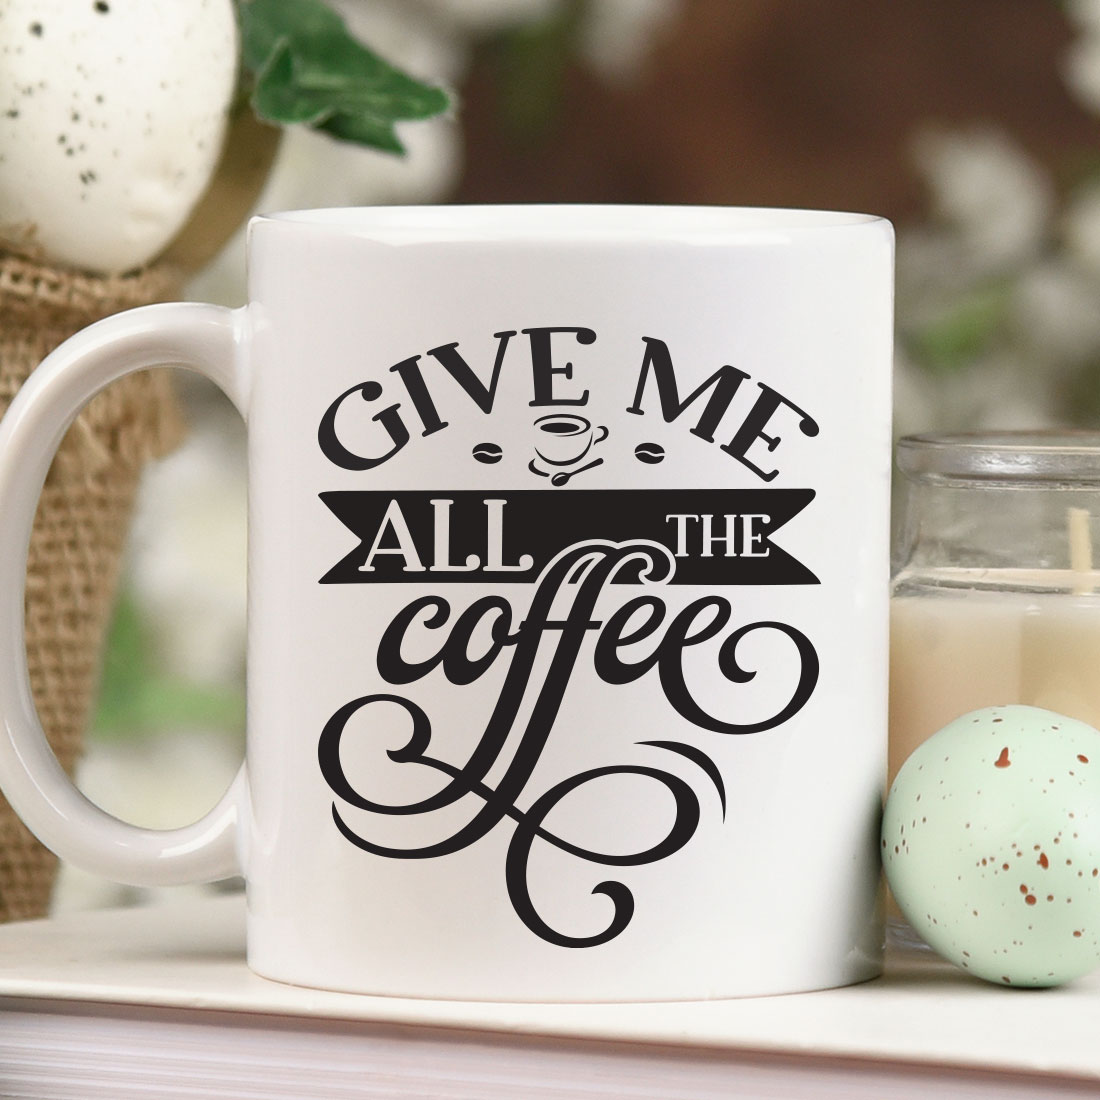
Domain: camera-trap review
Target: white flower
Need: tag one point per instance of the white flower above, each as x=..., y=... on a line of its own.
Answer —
x=934, y=267
x=989, y=193
x=1081, y=70
x=312, y=169
x=1055, y=312
x=1081, y=65
x=617, y=35
x=1085, y=13
x=1081, y=229
x=188, y=554
x=409, y=35
x=1002, y=392
x=915, y=406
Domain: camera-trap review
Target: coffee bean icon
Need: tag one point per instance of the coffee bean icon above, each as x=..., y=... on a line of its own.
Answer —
x=487, y=453
x=650, y=453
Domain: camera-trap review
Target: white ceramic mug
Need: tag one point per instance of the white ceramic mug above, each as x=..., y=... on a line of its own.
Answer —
x=613, y=736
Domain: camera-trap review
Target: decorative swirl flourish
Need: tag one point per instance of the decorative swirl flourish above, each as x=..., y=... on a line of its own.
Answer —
x=530, y=824
x=525, y=711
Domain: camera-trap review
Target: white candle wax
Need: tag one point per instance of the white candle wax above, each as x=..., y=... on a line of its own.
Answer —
x=1029, y=638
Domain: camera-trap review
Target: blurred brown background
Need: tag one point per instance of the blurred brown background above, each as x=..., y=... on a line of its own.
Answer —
x=755, y=102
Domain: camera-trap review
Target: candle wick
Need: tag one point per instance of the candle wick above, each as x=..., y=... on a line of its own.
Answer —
x=1080, y=549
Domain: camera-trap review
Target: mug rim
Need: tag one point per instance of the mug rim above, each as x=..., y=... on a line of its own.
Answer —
x=564, y=221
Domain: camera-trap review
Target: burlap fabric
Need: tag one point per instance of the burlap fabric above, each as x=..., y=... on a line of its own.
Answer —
x=81, y=525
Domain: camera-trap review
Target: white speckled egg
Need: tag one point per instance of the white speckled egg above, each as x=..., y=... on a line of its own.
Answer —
x=991, y=844
x=112, y=114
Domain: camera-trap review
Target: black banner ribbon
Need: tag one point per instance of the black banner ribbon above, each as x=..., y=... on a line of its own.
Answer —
x=717, y=536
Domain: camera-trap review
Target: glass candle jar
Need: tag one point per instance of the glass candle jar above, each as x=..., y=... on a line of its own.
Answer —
x=995, y=598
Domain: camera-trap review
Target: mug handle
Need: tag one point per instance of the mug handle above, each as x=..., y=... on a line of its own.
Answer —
x=209, y=339
x=600, y=436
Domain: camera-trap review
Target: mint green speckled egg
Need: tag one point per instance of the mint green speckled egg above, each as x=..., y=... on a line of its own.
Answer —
x=991, y=845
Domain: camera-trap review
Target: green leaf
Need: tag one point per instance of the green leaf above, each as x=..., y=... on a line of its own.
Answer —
x=308, y=70
x=136, y=698
x=265, y=22
x=533, y=63
x=1079, y=399
x=955, y=339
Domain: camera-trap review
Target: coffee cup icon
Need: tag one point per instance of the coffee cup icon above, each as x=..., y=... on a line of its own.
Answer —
x=565, y=438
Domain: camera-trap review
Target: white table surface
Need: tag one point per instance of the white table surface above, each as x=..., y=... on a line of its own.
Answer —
x=191, y=956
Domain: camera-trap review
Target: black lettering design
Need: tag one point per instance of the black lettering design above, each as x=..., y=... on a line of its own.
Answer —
x=582, y=572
